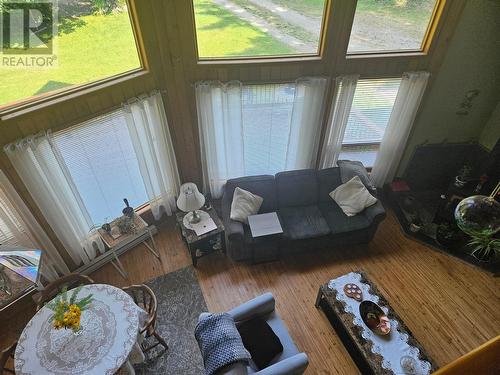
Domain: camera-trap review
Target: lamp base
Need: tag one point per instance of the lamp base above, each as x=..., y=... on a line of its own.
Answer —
x=194, y=217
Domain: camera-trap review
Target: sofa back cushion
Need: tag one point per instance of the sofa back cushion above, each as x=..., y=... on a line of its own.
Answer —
x=264, y=186
x=328, y=180
x=297, y=188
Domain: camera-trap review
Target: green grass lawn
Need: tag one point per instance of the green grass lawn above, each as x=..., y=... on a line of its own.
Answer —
x=99, y=46
x=222, y=34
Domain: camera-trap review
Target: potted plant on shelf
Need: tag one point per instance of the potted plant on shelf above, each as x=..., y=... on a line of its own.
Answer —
x=485, y=248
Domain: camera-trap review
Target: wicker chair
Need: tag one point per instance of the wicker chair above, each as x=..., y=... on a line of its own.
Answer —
x=145, y=298
x=6, y=354
x=69, y=281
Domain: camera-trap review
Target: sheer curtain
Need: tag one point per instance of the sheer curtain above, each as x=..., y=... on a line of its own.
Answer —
x=398, y=129
x=258, y=129
x=150, y=136
x=18, y=227
x=220, y=122
x=42, y=169
x=305, y=130
x=345, y=88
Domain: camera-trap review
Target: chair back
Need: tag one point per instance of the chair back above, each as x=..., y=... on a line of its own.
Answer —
x=68, y=281
x=145, y=298
x=4, y=357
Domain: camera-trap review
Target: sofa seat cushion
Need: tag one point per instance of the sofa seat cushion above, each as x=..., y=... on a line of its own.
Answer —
x=260, y=340
x=339, y=222
x=303, y=222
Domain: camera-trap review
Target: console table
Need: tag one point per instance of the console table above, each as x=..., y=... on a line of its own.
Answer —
x=117, y=246
x=372, y=354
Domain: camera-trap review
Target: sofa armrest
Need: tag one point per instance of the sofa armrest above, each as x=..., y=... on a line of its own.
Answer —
x=375, y=213
x=260, y=305
x=294, y=365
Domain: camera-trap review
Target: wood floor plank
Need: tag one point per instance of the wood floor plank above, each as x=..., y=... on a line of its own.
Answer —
x=450, y=306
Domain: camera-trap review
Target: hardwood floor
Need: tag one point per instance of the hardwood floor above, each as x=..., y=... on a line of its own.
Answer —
x=451, y=307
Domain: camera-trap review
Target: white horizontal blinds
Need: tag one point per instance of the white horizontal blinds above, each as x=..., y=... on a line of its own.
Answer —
x=12, y=229
x=267, y=113
x=370, y=111
x=103, y=165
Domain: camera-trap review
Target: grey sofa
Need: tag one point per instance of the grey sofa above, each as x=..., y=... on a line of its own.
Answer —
x=290, y=361
x=305, y=210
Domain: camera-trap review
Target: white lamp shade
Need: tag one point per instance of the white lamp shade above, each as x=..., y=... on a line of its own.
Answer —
x=190, y=199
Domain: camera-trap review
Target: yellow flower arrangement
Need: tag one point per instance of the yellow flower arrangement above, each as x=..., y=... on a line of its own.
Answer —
x=67, y=314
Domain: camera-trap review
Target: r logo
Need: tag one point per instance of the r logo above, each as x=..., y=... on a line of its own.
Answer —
x=28, y=28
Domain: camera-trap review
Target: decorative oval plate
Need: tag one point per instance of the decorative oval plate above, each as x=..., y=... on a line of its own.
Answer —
x=374, y=317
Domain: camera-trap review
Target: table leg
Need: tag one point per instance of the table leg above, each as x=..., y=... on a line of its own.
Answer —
x=223, y=242
x=192, y=251
x=318, y=297
x=119, y=266
x=153, y=248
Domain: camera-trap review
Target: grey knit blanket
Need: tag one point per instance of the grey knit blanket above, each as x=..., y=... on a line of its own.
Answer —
x=220, y=343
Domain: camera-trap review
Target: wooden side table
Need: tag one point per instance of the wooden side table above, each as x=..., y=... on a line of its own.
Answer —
x=142, y=234
x=207, y=243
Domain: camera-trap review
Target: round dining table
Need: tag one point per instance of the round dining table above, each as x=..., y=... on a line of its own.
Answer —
x=108, y=339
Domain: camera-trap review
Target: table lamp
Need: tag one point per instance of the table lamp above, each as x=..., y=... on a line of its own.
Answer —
x=190, y=200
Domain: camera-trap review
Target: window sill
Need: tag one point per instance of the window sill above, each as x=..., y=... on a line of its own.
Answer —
x=258, y=60
x=16, y=110
x=389, y=54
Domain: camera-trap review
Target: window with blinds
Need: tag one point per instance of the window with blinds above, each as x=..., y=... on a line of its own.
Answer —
x=103, y=165
x=12, y=227
x=266, y=116
x=370, y=111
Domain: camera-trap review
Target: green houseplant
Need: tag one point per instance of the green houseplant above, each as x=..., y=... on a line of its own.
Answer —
x=484, y=248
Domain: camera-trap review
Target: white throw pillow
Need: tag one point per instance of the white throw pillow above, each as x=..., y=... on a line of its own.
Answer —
x=353, y=197
x=244, y=204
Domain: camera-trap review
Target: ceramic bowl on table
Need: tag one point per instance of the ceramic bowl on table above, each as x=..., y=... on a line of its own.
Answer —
x=374, y=317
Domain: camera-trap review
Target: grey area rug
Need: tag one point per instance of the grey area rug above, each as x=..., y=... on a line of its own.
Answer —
x=180, y=302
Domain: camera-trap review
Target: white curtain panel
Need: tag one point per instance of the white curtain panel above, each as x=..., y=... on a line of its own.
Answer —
x=345, y=86
x=42, y=169
x=222, y=125
x=18, y=227
x=150, y=135
x=307, y=116
x=221, y=133
x=398, y=129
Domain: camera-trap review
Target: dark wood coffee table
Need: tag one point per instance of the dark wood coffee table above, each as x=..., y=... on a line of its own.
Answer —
x=360, y=348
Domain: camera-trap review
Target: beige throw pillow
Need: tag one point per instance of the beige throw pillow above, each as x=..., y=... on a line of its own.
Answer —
x=244, y=204
x=353, y=197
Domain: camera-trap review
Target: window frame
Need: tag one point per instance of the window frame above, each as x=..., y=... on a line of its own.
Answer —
x=327, y=11
x=52, y=97
x=425, y=45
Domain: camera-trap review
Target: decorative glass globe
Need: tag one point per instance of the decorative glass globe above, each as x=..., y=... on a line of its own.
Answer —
x=478, y=215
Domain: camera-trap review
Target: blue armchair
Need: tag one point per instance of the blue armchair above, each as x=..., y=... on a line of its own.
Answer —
x=290, y=361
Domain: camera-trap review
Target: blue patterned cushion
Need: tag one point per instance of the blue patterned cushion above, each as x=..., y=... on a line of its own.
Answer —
x=220, y=343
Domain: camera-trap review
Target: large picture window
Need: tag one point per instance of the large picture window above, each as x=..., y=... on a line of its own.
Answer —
x=258, y=129
x=390, y=25
x=79, y=177
x=90, y=41
x=253, y=28
x=103, y=165
x=370, y=111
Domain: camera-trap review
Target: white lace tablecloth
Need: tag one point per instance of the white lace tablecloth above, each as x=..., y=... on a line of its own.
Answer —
x=108, y=340
x=391, y=347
